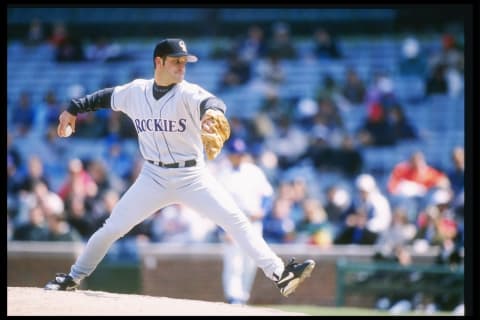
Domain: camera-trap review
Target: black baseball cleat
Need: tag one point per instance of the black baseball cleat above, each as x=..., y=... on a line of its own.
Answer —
x=293, y=275
x=62, y=282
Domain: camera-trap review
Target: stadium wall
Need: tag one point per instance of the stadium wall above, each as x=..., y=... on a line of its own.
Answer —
x=187, y=271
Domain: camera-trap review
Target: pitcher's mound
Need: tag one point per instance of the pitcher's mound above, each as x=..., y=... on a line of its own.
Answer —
x=25, y=301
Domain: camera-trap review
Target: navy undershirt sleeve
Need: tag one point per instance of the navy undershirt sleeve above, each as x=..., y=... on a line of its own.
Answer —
x=91, y=102
x=212, y=103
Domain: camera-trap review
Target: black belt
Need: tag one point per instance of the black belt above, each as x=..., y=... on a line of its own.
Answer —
x=183, y=164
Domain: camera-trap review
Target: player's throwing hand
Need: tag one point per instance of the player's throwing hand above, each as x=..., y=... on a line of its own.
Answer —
x=66, y=119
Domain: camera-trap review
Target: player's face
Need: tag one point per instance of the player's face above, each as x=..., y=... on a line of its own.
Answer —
x=175, y=68
x=235, y=159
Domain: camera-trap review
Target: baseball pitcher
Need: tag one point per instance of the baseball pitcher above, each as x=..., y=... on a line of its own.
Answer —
x=179, y=124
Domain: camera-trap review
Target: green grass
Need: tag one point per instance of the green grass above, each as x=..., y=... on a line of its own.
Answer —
x=312, y=310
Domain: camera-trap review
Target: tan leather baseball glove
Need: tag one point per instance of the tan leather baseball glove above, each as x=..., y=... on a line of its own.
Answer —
x=215, y=131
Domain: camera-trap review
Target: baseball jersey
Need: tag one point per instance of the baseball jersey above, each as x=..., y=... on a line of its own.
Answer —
x=168, y=128
x=248, y=185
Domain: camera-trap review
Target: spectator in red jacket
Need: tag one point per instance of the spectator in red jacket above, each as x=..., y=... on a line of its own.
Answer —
x=415, y=177
x=413, y=180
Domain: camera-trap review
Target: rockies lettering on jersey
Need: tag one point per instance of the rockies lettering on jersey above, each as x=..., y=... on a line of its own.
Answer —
x=143, y=125
x=168, y=128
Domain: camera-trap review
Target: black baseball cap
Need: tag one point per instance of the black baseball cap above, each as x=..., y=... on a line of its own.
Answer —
x=173, y=48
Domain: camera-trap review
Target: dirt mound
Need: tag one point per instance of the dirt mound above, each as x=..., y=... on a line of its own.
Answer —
x=24, y=301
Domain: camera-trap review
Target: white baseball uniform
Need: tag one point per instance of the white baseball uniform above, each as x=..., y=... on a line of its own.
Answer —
x=249, y=187
x=169, y=132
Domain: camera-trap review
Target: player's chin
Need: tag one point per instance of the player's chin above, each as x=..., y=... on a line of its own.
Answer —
x=178, y=78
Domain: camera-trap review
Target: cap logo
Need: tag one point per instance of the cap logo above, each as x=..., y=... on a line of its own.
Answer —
x=182, y=45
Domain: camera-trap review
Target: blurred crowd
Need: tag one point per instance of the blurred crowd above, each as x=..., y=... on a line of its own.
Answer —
x=419, y=206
